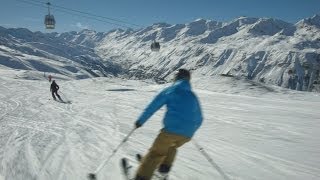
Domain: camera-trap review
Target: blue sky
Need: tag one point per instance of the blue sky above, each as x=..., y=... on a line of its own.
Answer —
x=15, y=13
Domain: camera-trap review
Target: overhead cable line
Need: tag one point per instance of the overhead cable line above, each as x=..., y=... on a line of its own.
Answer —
x=82, y=14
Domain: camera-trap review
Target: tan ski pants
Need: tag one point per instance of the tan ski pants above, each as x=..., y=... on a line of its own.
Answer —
x=163, y=151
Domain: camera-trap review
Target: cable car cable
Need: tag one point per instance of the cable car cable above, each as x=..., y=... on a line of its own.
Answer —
x=95, y=17
x=67, y=12
x=155, y=46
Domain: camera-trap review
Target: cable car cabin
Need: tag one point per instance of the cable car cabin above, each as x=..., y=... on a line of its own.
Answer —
x=155, y=46
x=49, y=21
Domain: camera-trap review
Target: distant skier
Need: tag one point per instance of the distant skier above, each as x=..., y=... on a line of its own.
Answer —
x=182, y=119
x=49, y=77
x=54, y=90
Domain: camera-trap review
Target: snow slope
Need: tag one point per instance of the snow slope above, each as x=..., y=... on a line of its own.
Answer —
x=250, y=131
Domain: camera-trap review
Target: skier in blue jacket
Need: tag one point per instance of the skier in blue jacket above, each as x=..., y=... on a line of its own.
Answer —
x=181, y=121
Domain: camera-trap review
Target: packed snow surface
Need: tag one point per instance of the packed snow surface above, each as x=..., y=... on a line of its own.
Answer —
x=250, y=131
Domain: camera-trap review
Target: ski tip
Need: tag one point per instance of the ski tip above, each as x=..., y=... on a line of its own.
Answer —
x=124, y=162
x=138, y=157
x=92, y=176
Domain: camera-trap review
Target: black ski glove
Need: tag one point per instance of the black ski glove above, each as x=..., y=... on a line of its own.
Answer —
x=137, y=124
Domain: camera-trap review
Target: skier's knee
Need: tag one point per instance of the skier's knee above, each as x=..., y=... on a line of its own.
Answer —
x=157, y=153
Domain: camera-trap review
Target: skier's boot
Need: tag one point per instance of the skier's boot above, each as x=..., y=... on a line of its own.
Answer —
x=139, y=178
x=164, y=170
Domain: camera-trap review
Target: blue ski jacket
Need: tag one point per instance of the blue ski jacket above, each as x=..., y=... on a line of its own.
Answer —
x=183, y=116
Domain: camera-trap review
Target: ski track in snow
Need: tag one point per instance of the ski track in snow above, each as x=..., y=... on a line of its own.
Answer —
x=268, y=137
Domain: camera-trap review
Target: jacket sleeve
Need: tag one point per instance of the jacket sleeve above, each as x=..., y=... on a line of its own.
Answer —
x=155, y=105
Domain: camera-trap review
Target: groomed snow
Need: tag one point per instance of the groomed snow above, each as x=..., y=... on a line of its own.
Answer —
x=252, y=132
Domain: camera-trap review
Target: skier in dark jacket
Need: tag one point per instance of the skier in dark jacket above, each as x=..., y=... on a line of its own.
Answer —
x=54, y=90
x=181, y=121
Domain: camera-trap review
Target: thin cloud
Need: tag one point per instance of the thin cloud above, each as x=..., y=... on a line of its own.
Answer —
x=8, y=25
x=81, y=26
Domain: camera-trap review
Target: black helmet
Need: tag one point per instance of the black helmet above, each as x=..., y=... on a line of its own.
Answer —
x=182, y=74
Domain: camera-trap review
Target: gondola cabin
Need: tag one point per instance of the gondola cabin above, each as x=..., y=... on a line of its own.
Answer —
x=49, y=21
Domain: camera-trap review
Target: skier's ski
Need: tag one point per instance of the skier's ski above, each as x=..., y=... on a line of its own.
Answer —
x=62, y=101
x=125, y=168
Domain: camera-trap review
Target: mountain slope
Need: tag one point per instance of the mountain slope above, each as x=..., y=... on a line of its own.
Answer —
x=51, y=53
x=264, y=50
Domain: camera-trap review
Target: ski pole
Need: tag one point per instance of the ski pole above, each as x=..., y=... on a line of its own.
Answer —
x=63, y=95
x=92, y=176
x=206, y=155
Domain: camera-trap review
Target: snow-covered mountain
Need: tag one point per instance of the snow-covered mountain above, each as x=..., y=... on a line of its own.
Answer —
x=70, y=54
x=260, y=49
